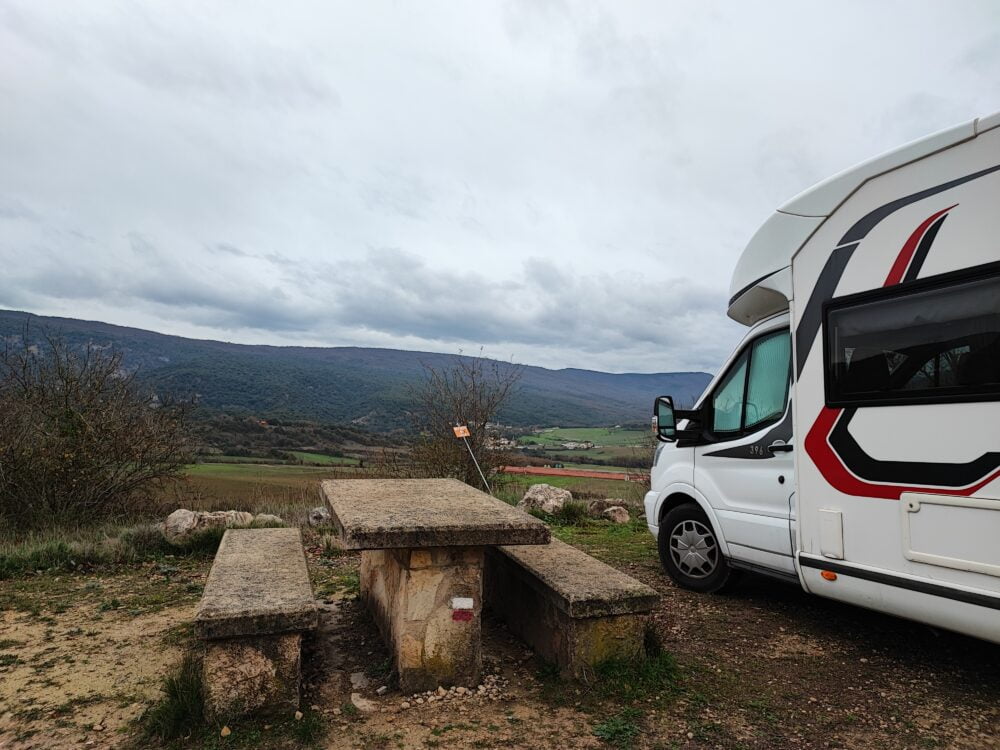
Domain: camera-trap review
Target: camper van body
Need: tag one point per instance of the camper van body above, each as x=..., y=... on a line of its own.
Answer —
x=852, y=440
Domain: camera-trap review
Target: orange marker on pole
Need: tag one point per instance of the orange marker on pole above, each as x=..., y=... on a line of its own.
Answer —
x=462, y=431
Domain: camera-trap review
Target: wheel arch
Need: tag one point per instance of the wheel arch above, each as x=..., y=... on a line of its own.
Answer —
x=680, y=494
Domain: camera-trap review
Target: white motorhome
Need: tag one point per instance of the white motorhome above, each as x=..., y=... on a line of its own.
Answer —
x=851, y=443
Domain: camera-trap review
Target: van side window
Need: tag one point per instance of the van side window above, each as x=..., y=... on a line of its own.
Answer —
x=727, y=403
x=755, y=391
x=935, y=343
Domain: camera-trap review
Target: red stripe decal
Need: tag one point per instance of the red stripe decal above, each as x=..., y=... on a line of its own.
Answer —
x=817, y=443
x=910, y=247
x=833, y=470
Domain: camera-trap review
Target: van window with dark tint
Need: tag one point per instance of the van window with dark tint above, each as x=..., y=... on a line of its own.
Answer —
x=928, y=345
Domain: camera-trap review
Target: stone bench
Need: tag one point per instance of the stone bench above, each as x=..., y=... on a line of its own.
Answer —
x=257, y=604
x=572, y=609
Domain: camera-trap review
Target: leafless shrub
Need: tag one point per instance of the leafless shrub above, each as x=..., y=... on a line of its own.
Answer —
x=79, y=440
x=470, y=392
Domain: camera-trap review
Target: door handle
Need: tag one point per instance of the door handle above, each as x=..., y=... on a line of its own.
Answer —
x=779, y=447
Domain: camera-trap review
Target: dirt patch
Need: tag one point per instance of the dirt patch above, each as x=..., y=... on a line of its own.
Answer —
x=82, y=656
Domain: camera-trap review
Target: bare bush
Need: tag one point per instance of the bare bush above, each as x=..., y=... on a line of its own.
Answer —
x=79, y=440
x=470, y=392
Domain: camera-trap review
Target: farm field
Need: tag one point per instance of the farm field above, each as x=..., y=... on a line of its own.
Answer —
x=322, y=458
x=603, y=436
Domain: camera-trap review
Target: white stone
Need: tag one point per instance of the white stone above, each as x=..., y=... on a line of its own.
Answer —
x=546, y=498
x=319, y=516
x=359, y=681
x=267, y=519
x=182, y=524
x=616, y=514
x=364, y=705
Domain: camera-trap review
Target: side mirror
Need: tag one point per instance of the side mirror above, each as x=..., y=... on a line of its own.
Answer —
x=664, y=423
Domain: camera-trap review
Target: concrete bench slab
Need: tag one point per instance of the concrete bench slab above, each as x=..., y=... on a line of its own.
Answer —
x=412, y=513
x=258, y=585
x=573, y=609
x=257, y=604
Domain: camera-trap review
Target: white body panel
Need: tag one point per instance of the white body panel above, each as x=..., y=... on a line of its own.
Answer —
x=895, y=517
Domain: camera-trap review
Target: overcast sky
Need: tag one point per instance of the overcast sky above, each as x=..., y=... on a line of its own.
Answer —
x=565, y=183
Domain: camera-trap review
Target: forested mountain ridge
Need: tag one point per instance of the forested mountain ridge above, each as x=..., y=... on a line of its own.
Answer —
x=365, y=386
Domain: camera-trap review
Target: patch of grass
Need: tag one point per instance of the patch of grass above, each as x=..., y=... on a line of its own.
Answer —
x=620, y=730
x=621, y=681
x=9, y=660
x=611, y=542
x=323, y=459
x=349, y=582
x=182, y=707
x=572, y=513
x=73, y=550
x=627, y=680
x=6, y=643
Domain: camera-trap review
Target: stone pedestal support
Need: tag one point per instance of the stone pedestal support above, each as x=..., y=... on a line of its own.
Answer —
x=427, y=604
x=257, y=675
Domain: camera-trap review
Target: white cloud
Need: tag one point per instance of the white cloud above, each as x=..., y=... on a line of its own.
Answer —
x=569, y=183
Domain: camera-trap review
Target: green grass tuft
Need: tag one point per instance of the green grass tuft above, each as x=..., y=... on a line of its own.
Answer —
x=182, y=708
x=620, y=730
x=627, y=680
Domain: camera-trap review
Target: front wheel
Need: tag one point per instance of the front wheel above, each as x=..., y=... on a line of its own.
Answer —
x=689, y=550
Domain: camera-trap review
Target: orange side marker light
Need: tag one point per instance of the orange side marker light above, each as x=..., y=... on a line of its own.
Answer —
x=828, y=575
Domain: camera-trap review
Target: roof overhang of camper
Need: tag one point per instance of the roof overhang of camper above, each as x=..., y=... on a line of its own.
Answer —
x=761, y=284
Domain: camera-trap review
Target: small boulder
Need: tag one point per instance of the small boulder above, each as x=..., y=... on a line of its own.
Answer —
x=596, y=508
x=616, y=514
x=266, y=519
x=319, y=516
x=182, y=524
x=546, y=498
x=363, y=705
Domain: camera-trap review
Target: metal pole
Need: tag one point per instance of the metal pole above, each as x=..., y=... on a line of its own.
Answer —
x=466, y=440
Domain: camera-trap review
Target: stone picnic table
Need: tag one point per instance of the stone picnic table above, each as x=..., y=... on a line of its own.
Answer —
x=422, y=545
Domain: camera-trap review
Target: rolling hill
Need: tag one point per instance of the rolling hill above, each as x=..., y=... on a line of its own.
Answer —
x=365, y=386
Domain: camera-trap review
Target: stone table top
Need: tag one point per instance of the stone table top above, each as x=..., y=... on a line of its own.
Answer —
x=412, y=513
x=258, y=585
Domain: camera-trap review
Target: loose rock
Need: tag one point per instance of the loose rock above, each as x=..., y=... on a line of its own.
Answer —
x=361, y=703
x=182, y=523
x=319, y=516
x=546, y=498
x=616, y=514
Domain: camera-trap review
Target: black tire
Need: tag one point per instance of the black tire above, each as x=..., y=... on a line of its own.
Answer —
x=704, y=568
